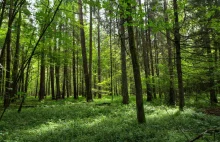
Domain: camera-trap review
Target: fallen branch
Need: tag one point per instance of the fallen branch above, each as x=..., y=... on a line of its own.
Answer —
x=205, y=132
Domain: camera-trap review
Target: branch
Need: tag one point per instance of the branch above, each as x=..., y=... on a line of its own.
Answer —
x=203, y=133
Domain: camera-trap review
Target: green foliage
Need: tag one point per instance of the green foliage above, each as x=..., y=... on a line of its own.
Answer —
x=70, y=120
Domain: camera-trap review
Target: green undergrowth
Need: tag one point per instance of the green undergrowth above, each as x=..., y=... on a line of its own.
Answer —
x=103, y=121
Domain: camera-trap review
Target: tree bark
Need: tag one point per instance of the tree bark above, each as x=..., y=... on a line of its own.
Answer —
x=16, y=58
x=170, y=62
x=83, y=46
x=57, y=71
x=42, y=90
x=135, y=65
x=147, y=61
x=212, y=92
x=178, y=55
x=52, y=75
x=124, y=83
x=99, y=57
x=8, y=61
x=110, y=46
x=90, y=48
x=75, y=94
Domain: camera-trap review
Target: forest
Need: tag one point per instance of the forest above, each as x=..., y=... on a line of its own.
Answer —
x=109, y=70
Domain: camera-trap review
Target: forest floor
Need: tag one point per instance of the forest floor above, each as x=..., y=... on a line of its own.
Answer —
x=108, y=121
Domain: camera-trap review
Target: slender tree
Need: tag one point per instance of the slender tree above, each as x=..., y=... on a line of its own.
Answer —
x=170, y=57
x=124, y=83
x=99, y=56
x=178, y=54
x=135, y=65
x=83, y=46
x=90, y=44
x=8, y=57
x=42, y=91
x=52, y=74
x=16, y=57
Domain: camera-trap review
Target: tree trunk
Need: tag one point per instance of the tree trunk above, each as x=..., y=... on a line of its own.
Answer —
x=90, y=48
x=75, y=94
x=124, y=83
x=83, y=46
x=178, y=55
x=16, y=58
x=110, y=46
x=213, y=97
x=64, y=82
x=157, y=65
x=99, y=57
x=52, y=76
x=8, y=57
x=152, y=67
x=57, y=73
x=170, y=62
x=135, y=65
x=147, y=61
x=42, y=90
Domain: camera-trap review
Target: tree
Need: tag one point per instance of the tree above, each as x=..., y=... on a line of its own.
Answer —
x=75, y=93
x=124, y=83
x=8, y=96
x=178, y=54
x=170, y=63
x=135, y=65
x=99, y=56
x=83, y=46
x=90, y=45
x=42, y=91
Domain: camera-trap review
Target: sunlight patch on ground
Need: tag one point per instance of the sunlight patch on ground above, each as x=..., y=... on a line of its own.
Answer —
x=50, y=127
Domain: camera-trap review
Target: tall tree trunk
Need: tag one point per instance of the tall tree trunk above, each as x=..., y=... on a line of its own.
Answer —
x=213, y=97
x=27, y=78
x=8, y=57
x=16, y=58
x=42, y=90
x=170, y=56
x=90, y=47
x=57, y=73
x=157, y=64
x=74, y=63
x=94, y=83
x=83, y=46
x=77, y=73
x=178, y=55
x=64, y=82
x=150, y=53
x=52, y=75
x=147, y=60
x=99, y=57
x=110, y=46
x=22, y=81
x=75, y=94
x=136, y=68
x=152, y=67
x=124, y=83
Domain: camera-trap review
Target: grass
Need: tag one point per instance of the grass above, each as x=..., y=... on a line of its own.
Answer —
x=77, y=121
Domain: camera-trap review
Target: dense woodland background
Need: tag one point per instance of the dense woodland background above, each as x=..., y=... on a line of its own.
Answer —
x=166, y=50
x=152, y=55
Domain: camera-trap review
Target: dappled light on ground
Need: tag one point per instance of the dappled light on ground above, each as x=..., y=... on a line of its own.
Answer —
x=81, y=122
